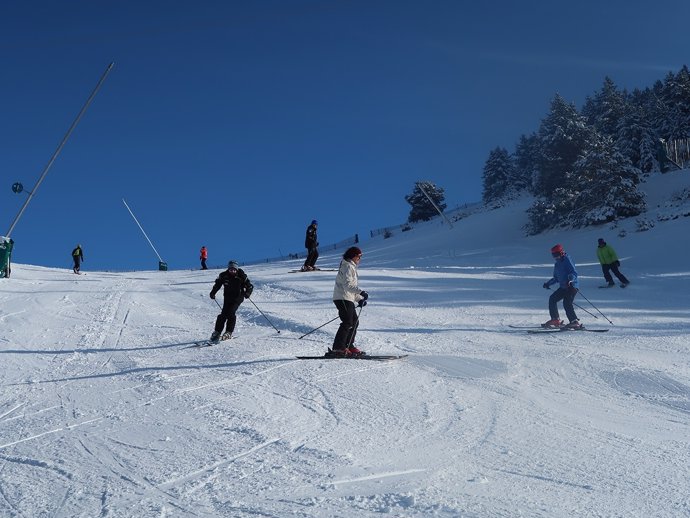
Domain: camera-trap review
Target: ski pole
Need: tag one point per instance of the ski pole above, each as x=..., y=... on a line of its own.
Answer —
x=352, y=331
x=317, y=328
x=221, y=308
x=257, y=307
x=607, y=318
x=583, y=309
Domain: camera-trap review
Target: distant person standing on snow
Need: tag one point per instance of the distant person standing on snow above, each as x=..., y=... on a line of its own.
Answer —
x=610, y=263
x=311, y=242
x=236, y=288
x=345, y=294
x=77, y=257
x=203, y=255
x=565, y=275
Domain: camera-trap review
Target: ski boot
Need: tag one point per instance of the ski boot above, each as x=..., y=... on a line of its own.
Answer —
x=574, y=325
x=354, y=352
x=554, y=323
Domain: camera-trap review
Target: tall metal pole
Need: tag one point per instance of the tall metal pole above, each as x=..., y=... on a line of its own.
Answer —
x=142, y=230
x=59, y=148
x=419, y=184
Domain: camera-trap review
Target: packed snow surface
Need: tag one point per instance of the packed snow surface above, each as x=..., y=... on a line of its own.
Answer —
x=108, y=410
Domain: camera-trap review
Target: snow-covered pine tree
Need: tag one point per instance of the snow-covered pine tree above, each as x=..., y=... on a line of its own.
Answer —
x=540, y=216
x=606, y=108
x=498, y=177
x=636, y=138
x=563, y=136
x=609, y=186
x=422, y=209
x=674, y=99
x=526, y=162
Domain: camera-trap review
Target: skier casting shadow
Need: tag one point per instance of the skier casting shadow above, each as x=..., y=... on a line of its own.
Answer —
x=236, y=288
x=345, y=294
x=311, y=242
x=78, y=258
x=565, y=275
x=610, y=263
x=203, y=255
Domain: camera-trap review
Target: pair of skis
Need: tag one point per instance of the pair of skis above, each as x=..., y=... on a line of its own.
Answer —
x=372, y=357
x=314, y=270
x=562, y=329
x=209, y=343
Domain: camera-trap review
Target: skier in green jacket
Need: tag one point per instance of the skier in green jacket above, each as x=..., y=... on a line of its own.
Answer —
x=78, y=258
x=610, y=263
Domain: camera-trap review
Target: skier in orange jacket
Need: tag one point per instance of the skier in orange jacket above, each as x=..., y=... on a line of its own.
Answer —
x=203, y=253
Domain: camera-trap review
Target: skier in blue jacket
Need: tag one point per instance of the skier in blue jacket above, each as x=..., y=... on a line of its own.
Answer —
x=565, y=275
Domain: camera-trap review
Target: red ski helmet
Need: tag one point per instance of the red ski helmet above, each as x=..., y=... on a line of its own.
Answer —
x=557, y=251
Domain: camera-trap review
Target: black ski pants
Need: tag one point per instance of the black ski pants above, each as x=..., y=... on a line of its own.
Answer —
x=227, y=316
x=312, y=256
x=567, y=295
x=613, y=267
x=349, y=322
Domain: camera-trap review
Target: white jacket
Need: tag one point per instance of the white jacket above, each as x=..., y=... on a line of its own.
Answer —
x=346, y=282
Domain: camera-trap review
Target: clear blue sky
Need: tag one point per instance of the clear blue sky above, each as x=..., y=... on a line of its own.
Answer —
x=234, y=124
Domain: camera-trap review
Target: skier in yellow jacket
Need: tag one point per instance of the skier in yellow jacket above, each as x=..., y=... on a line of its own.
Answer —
x=610, y=263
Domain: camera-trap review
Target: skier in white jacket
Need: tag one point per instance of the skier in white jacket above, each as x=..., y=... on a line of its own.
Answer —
x=346, y=294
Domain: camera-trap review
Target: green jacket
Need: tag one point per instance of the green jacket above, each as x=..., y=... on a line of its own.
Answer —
x=606, y=254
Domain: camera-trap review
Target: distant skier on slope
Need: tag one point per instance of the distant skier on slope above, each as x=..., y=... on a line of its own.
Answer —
x=78, y=258
x=6, y=245
x=610, y=263
x=311, y=242
x=236, y=288
x=345, y=294
x=203, y=255
x=565, y=275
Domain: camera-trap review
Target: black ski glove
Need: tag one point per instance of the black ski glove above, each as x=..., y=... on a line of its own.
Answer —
x=546, y=286
x=364, y=295
x=212, y=295
x=362, y=303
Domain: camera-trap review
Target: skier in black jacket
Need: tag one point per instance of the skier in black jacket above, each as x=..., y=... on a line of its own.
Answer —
x=78, y=257
x=236, y=288
x=311, y=242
